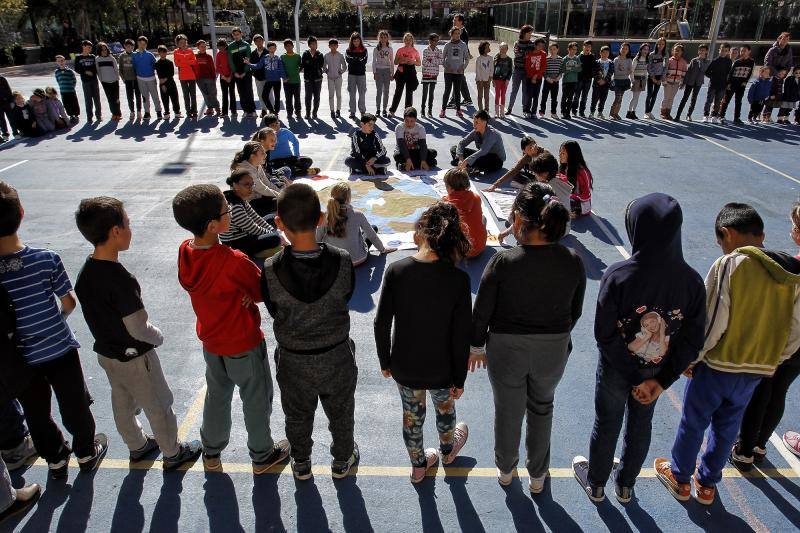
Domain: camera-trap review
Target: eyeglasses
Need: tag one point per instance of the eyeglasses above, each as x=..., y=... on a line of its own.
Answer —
x=249, y=185
x=218, y=217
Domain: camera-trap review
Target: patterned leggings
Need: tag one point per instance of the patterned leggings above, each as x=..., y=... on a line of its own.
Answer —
x=414, y=409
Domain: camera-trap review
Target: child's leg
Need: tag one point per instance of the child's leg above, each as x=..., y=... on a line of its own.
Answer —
x=299, y=384
x=414, y=411
x=337, y=376
x=610, y=398
x=458, y=79
x=479, y=90
x=122, y=375
x=331, y=94
x=425, y=87
x=526, y=94
x=47, y=437
x=88, y=99
x=66, y=377
x=782, y=380
x=399, y=86
x=754, y=417
x=595, y=98
x=709, y=101
x=362, y=93
x=448, y=86
x=129, y=93
x=702, y=396
x=96, y=97
x=601, y=104
x=738, y=94
x=687, y=92
x=636, y=440
x=193, y=95
x=409, y=95
x=145, y=94
x=517, y=76
x=352, y=92
x=535, y=90
x=553, y=97
x=225, y=92
x=445, y=418
x=693, y=102
x=215, y=430
x=295, y=90
x=725, y=424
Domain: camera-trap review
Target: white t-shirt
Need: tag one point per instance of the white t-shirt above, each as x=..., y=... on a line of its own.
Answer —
x=412, y=136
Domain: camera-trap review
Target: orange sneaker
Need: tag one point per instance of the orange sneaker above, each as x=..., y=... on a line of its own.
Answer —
x=703, y=494
x=681, y=491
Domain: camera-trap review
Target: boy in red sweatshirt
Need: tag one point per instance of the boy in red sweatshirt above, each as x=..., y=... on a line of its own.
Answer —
x=187, y=74
x=535, y=67
x=223, y=285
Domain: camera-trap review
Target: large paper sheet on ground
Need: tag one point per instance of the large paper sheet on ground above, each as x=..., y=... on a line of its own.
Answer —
x=501, y=202
x=392, y=202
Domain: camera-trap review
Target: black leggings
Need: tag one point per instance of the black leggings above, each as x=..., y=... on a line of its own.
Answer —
x=112, y=95
x=169, y=91
x=228, y=95
x=690, y=95
x=428, y=87
x=452, y=82
x=652, y=93
x=406, y=80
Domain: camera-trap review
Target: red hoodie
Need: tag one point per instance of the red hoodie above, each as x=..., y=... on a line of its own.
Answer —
x=536, y=64
x=217, y=279
x=186, y=62
x=469, y=209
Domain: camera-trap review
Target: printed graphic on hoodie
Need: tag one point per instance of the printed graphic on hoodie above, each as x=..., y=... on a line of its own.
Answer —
x=647, y=332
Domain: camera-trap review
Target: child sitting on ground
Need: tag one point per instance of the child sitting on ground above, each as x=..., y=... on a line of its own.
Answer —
x=279, y=176
x=125, y=340
x=349, y=229
x=223, y=285
x=468, y=203
x=287, y=150
x=306, y=288
x=573, y=166
x=412, y=148
x=248, y=231
x=429, y=302
x=45, y=118
x=367, y=153
x=251, y=158
x=521, y=174
x=56, y=108
x=42, y=296
x=22, y=117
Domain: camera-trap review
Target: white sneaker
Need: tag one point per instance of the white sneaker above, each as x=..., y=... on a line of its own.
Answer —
x=553, y=115
x=504, y=478
x=706, y=120
x=601, y=116
x=418, y=472
x=536, y=484
x=688, y=118
x=715, y=120
x=460, y=436
x=591, y=115
x=791, y=439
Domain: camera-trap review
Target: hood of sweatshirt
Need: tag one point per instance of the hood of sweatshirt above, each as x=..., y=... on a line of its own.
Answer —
x=198, y=268
x=782, y=267
x=653, y=223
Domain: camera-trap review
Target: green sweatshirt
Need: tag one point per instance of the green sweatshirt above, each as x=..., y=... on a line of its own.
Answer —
x=753, y=311
x=570, y=68
x=291, y=63
x=237, y=52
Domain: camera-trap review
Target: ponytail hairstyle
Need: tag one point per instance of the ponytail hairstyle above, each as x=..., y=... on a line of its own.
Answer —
x=353, y=36
x=262, y=134
x=337, y=209
x=575, y=163
x=250, y=148
x=538, y=207
x=441, y=229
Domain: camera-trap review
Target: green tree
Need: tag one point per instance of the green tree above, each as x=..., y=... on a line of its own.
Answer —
x=10, y=13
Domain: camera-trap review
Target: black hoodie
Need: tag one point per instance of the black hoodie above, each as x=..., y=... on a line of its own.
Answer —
x=651, y=308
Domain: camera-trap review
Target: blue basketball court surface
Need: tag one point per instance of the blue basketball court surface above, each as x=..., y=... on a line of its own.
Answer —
x=704, y=166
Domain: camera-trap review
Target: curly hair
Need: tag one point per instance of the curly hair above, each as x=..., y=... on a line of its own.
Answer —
x=441, y=228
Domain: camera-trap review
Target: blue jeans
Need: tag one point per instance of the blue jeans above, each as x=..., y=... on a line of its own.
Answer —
x=12, y=425
x=711, y=398
x=613, y=402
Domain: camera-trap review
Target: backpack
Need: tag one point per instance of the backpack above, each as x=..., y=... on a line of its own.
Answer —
x=15, y=373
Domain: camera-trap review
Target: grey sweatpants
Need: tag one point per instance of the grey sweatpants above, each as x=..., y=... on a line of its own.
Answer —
x=357, y=84
x=138, y=383
x=208, y=88
x=329, y=378
x=250, y=372
x=383, y=79
x=7, y=492
x=335, y=90
x=149, y=90
x=524, y=371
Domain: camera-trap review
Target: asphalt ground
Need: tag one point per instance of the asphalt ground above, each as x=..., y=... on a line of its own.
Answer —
x=703, y=166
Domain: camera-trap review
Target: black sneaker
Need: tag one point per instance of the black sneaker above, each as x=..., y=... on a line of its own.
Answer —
x=314, y=114
x=738, y=122
x=308, y=116
x=582, y=114
x=352, y=116
x=452, y=105
x=187, y=452
x=466, y=103
x=88, y=464
x=279, y=454
x=580, y=467
x=623, y=494
x=338, y=114
x=759, y=454
x=26, y=498
x=149, y=447
x=301, y=469
x=59, y=470
x=333, y=115
x=340, y=469
x=741, y=462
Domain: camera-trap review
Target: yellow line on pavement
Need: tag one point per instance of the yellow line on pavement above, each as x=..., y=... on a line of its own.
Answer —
x=402, y=471
x=192, y=414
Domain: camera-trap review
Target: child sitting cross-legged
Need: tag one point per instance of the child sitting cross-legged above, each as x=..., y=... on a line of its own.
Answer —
x=367, y=153
x=347, y=228
x=306, y=288
x=248, y=231
x=286, y=152
x=125, y=340
x=427, y=299
x=468, y=203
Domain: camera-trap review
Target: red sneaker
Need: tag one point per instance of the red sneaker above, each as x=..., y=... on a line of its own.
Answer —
x=703, y=494
x=681, y=491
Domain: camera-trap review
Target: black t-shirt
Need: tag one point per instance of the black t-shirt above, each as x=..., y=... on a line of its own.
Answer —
x=165, y=69
x=108, y=293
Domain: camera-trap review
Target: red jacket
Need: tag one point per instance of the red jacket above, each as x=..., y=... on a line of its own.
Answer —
x=205, y=66
x=536, y=64
x=186, y=63
x=469, y=209
x=223, y=67
x=217, y=279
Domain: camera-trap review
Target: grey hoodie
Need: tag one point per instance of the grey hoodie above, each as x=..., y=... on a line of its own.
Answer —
x=455, y=57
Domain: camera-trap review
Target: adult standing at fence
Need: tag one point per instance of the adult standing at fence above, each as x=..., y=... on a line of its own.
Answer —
x=520, y=76
x=780, y=55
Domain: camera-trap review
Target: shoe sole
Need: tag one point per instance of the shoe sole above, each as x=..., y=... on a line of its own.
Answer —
x=191, y=458
x=261, y=469
x=620, y=499
x=679, y=497
x=701, y=500
x=212, y=468
x=303, y=477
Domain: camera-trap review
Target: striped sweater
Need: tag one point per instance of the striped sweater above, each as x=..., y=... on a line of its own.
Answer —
x=553, y=70
x=66, y=79
x=244, y=221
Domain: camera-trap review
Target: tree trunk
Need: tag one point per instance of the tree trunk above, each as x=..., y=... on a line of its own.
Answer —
x=34, y=30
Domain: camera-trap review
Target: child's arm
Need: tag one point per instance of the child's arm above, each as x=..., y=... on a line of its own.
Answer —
x=370, y=233
x=382, y=326
x=139, y=327
x=248, y=276
x=61, y=286
x=460, y=341
x=485, y=303
x=295, y=143
x=607, y=333
x=68, y=303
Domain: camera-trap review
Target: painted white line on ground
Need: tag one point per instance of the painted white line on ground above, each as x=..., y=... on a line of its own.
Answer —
x=18, y=163
x=789, y=456
x=608, y=233
x=757, y=162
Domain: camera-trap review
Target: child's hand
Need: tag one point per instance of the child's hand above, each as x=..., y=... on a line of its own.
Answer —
x=389, y=250
x=689, y=372
x=370, y=170
x=477, y=361
x=409, y=166
x=424, y=165
x=490, y=188
x=456, y=393
x=386, y=373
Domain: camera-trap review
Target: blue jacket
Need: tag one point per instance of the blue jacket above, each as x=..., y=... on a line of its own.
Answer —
x=144, y=64
x=272, y=66
x=759, y=90
x=651, y=308
x=286, y=145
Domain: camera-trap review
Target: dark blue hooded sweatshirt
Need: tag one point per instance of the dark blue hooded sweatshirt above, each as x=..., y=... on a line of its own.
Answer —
x=651, y=308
